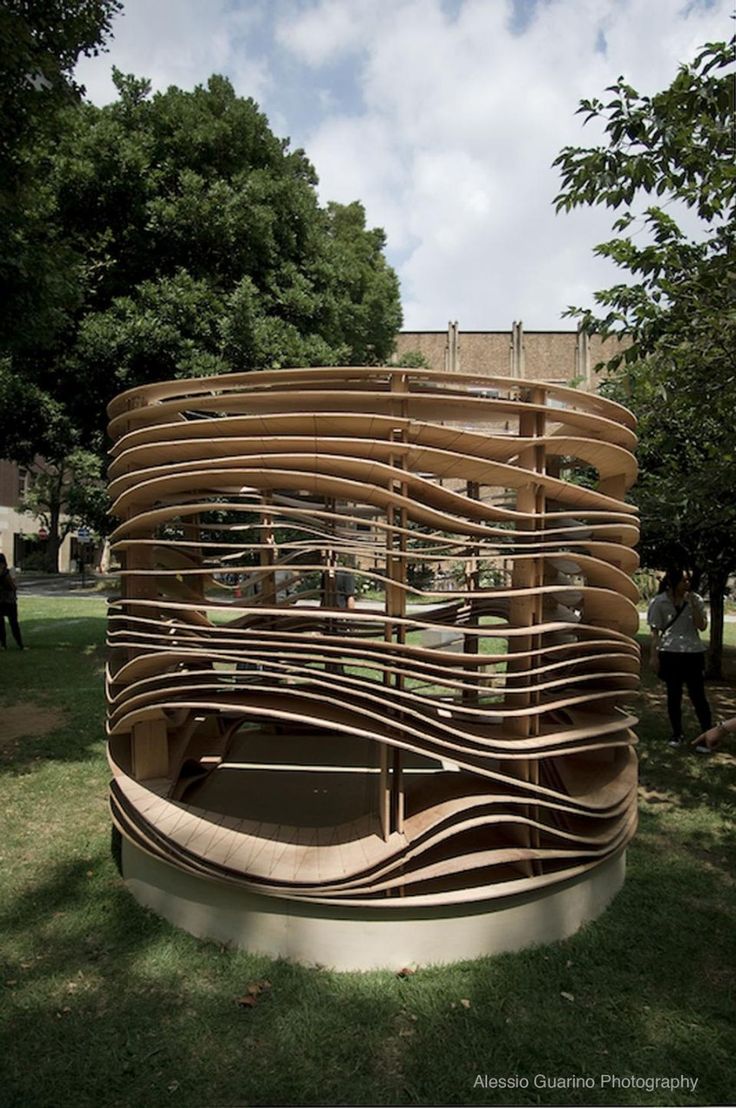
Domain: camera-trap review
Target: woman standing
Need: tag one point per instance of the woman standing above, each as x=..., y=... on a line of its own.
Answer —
x=675, y=616
x=8, y=604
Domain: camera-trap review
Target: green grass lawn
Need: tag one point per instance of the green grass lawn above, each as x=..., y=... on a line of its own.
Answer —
x=107, y=1005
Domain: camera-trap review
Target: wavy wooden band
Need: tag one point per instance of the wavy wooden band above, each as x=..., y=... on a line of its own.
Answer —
x=375, y=633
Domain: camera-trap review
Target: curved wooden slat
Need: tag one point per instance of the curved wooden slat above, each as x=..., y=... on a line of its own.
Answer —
x=468, y=708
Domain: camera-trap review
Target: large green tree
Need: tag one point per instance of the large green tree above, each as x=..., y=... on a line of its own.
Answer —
x=40, y=273
x=40, y=44
x=196, y=245
x=677, y=304
x=206, y=250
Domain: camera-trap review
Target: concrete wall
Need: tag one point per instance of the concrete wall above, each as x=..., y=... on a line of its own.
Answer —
x=561, y=356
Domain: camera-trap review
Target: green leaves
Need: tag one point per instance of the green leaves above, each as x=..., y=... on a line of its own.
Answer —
x=40, y=41
x=162, y=236
x=31, y=420
x=185, y=239
x=677, y=305
x=679, y=142
x=208, y=192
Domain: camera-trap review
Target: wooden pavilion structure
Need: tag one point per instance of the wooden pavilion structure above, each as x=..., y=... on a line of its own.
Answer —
x=424, y=771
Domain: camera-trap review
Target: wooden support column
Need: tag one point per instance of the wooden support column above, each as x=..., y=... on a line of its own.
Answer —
x=386, y=753
x=391, y=786
x=527, y=611
x=267, y=555
x=399, y=609
x=193, y=534
x=139, y=586
x=149, y=745
x=613, y=486
x=472, y=583
x=329, y=577
x=150, y=750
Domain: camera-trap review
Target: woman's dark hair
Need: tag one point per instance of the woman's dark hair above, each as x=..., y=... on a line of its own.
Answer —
x=3, y=562
x=671, y=579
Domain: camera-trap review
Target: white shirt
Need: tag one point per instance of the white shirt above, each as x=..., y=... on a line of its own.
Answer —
x=682, y=636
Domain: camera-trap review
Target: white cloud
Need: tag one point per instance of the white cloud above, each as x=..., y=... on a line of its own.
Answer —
x=444, y=125
x=180, y=42
x=462, y=118
x=361, y=160
x=331, y=30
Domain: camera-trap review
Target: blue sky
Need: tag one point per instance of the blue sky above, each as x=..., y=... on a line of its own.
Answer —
x=442, y=116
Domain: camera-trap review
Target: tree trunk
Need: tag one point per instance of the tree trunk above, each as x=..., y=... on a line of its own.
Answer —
x=103, y=565
x=717, y=580
x=54, y=541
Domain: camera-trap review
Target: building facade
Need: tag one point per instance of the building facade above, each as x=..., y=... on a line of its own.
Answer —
x=21, y=533
x=562, y=357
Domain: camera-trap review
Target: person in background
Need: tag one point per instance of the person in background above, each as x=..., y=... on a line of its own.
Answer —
x=345, y=588
x=8, y=604
x=709, y=741
x=676, y=616
x=338, y=589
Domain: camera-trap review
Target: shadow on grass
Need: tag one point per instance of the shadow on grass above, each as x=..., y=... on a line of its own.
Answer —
x=72, y=744
x=645, y=990
x=58, y=673
x=108, y=1005
x=112, y=1006
x=677, y=775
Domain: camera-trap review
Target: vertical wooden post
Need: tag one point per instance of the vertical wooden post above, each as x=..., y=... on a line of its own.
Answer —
x=149, y=747
x=399, y=383
x=527, y=611
x=613, y=486
x=472, y=583
x=267, y=553
x=193, y=532
x=141, y=586
x=391, y=786
x=150, y=750
x=386, y=754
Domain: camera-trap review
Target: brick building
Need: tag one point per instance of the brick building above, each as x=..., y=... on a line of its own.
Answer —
x=565, y=357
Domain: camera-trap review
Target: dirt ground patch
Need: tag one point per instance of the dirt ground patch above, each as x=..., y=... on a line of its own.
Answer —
x=23, y=721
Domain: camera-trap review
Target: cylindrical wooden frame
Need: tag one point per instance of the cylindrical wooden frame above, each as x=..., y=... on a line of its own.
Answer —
x=453, y=743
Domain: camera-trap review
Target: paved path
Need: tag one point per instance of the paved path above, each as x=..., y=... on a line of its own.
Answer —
x=66, y=584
